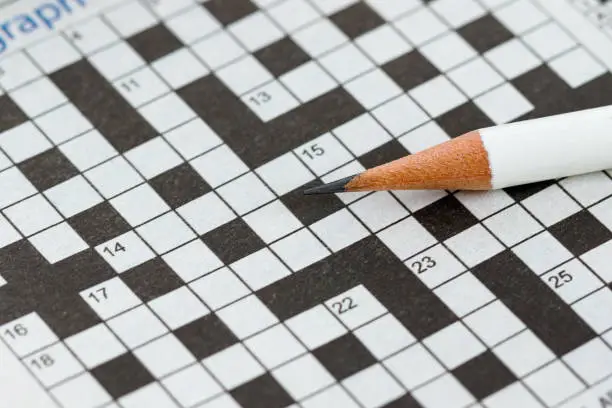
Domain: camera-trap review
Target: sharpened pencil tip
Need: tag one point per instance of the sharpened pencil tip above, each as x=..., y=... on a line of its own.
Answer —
x=337, y=186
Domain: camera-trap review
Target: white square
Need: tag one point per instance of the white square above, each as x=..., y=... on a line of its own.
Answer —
x=390, y=10
x=223, y=366
x=454, y=345
x=156, y=112
x=373, y=88
x=513, y=225
x=164, y=355
x=400, y=115
x=300, y=249
x=448, y=51
x=125, y=251
x=554, y=383
x=309, y=38
x=378, y=210
x=137, y=326
x=293, y=14
x=458, y=12
x=438, y=96
x=245, y=193
x=166, y=232
x=577, y=67
x=587, y=189
x=572, y=281
x=63, y=123
x=130, y=18
x=274, y=346
x=542, y=252
x=92, y=35
x=243, y=75
x=373, y=387
x=270, y=101
x=484, y=203
x=303, y=376
x=5, y=162
x=223, y=401
x=41, y=334
x=113, y=177
x=597, y=260
x=494, y=323
x=88, y=150
x=503, y=104
x=117, y=60
x=596, y=310
x=453, y=294
x=315, y=327
x=206, y=213
x=384, y=336
x=193, y=138
x=38, y=97
x=191, y=385
x=153, y=157
x=192, y=24
x=63, y=53
x=339, y=230
x=110, y=298
x=445, y=391
x=591, y=361
x=383, y=44
x=520, y=16
x=32, y=215
x=346, y=63
x=18, y=69
x=179, y=68
x=192, y=260
x=512, y=58
x=414, y=366
x=23, y=141
x=273, y=221
x=421, y=26
x=284, y=174
x=435, y=266
x=551, y=205
x=167, y=9
x=141, y=87
x=64, y=365
x=524, y=353
x=255, y=31
x=219, y=166
x=308, y=81
x=362, y=134
x=8, y=234
x=415, y=200
x=219, y=288
x=602, y=212
x=58, y=242
x=139, y=205
x=260, y=269
x=95, y=345
x=149, y=395
x=475, y=77
x=363, y=307
x=218, y=50
x=323, y=154
x=406, y=238
x=14, y=186
x=247, y=316
x=179, y=307
x=81, y=392
x=549, y=40
x=329, y=7
x=334, y=396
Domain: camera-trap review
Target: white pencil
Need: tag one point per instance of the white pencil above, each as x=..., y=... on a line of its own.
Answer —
x=497, y=157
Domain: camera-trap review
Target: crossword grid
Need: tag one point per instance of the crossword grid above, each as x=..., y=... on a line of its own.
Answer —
x=148, y=282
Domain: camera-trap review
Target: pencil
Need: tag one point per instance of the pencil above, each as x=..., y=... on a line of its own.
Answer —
x=497, y=157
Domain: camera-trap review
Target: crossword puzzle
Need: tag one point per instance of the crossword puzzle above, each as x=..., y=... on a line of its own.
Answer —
x=156, y=249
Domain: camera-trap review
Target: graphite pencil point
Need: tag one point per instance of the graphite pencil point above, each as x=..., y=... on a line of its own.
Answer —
x=337, y=186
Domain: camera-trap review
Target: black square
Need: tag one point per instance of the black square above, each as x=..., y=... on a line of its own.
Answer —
x=154, y=43
x=484, y=375
x=547, y=92
x=151, y=279
x=263, y=391
x=48, y=169
x=99, y=224
x=180, y=185
x=282, y=56
x=10, y=114
x=344, y=356
x=309, y=210
x=411, y=70
x=524, y=191
x=229, y=11
x=66, y=314
x=485, y=33
x=406, y=401
x=205, y=336
x=122, y=375
x=581, y=232
x=383, y=154
x=233, y=241
x=357, y=20
x=463, y=119
x=445, y=218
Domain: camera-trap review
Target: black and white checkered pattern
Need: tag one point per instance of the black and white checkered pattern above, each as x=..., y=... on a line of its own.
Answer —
x=156, y=249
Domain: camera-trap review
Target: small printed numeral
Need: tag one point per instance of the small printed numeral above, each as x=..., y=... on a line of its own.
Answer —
x=422, y=266
x=130, y=85
x=113, y=250
x=313, y=151
x=19, y=330
x=98, y=295
x=344, y=305
x=260, y=98
x=43, y=361
x=560, y=278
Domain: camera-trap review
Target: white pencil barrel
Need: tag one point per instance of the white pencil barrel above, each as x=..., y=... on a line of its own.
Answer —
x=548, y=148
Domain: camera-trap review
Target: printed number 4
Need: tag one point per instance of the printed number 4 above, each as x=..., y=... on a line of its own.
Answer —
x=313, y=151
